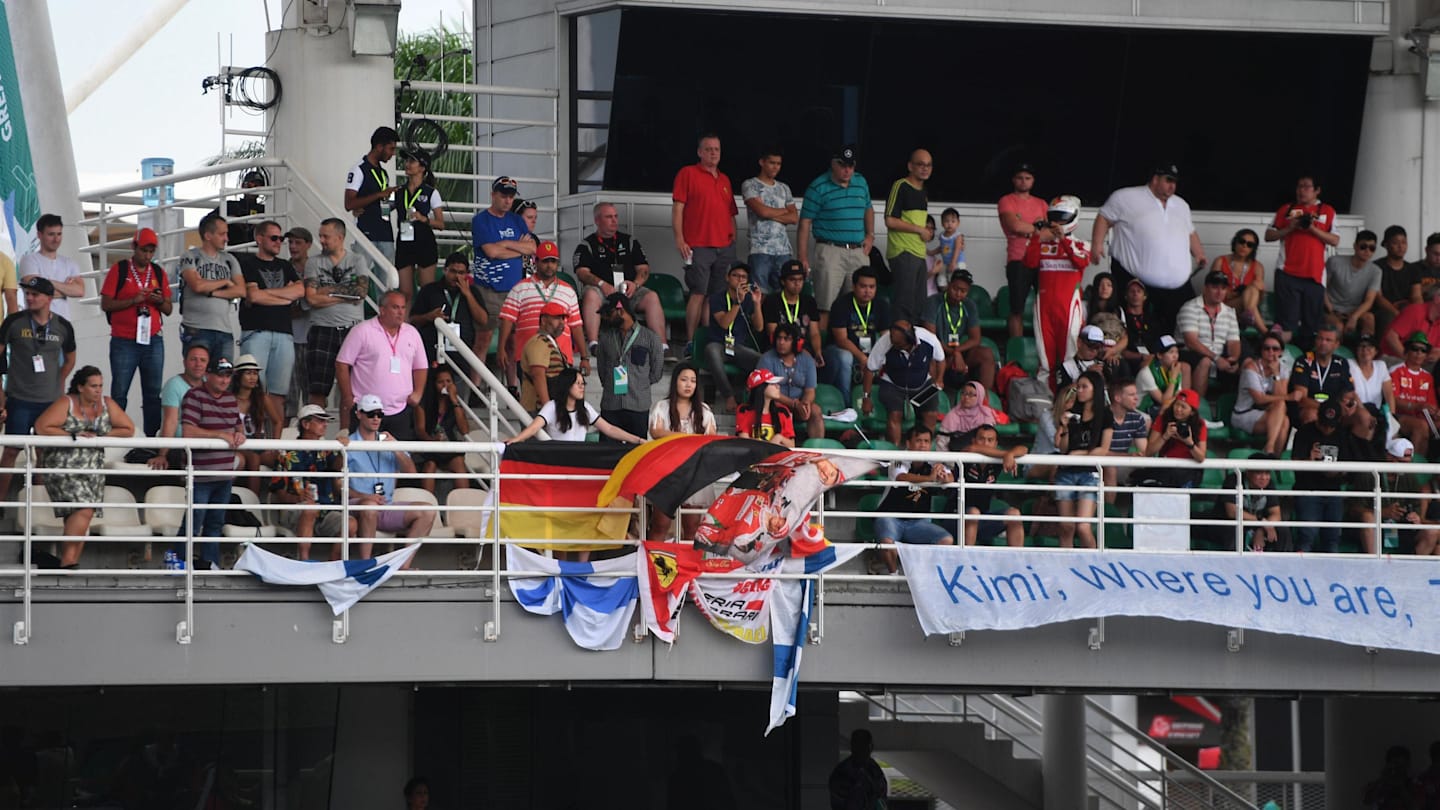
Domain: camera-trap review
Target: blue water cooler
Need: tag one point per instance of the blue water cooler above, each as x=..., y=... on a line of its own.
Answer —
x=151, y=168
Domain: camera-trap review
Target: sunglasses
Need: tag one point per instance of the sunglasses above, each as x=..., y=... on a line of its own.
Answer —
x=1246, y=243
x=1271, y=348
x=275, y=238
x=1365, y=246
x=224, y=372
x=373, y=414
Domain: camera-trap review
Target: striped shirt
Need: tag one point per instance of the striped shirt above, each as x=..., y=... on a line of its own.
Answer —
x=208, y=412
x=522, y=307
x=837, y=212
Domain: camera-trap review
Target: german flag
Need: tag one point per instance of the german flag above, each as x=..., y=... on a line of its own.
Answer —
x=566, y=475
x=669, y=470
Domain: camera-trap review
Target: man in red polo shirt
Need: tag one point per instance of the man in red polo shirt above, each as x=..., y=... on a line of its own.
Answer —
x=1306, y=227
x=703, y=219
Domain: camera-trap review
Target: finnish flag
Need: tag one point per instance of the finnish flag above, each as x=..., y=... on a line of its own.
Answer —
x=597, y=598
x=790, y=602
x=343, y=582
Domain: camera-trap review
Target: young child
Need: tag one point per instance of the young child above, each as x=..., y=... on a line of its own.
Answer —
x=952, y=242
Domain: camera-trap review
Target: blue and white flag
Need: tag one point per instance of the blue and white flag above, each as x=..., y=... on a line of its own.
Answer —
x=342, y=583
x=597, y=598
x=790, y=605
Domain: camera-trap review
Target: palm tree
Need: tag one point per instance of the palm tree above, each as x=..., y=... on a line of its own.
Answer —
x=439, y=55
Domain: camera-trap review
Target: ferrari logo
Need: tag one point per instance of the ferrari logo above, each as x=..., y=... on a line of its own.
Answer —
x=665, y=568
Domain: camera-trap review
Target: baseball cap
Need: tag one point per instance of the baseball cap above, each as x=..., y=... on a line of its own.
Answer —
x=1135, y=282
x=1167, y=169
x=300, y=233
x=1399, y=446
x=1418, y=338
x=145, y=237
x=38, y=284
x=1191, y=396
x=1367, y=338
x=1093, y=334
x=1164, y=343
x=792, y=268
x=369, y=402
x=220, y=364
x=1216, y=278
x=846, y=155
x=547, y=250
x=760, y=377
x=554, y=308
x=245, y=362
x=313, y=412
x=1023, y=166
x=1329, y=413
x=504, y=185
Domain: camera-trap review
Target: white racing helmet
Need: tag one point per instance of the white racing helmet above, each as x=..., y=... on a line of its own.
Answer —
x=1064, y=210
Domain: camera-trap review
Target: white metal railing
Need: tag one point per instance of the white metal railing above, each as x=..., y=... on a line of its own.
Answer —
x=462, y=211
x=292, y=199
x=460, y=522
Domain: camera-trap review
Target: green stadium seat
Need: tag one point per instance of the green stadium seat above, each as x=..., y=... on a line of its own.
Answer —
x=1022, y=349
x=1002, y=307
x=571, y=280
x=672, y=295
x=1011, y=430
x=994, y=349
x=865, y=527
x=983, y=303
x=1345, y=352
x=877, y=444
x=1208, y=413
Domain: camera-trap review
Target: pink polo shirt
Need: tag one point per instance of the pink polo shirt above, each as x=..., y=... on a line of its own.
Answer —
x=369, y=351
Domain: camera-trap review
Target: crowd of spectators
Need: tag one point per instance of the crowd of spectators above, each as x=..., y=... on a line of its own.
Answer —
x=1166, y=355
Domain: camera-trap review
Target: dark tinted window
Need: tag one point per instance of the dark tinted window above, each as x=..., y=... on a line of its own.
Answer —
x=1241, y=113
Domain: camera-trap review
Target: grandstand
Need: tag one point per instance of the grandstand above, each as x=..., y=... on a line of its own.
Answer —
x=446, y=670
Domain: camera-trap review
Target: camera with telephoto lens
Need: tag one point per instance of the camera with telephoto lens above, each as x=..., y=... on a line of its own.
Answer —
x=1304, y=220
x=1182, y=430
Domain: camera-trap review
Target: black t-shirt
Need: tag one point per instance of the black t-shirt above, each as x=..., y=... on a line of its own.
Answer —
x=912, y=499
x=1395, y=284
x=373, y=219
x=1139, y=330
x=744, y=326
x=621, y=253
x=982, y=499
x=856, y=319
x=269, y=275
x=1307, y=437
x=439, y=295
x=1331, y=380
x=778, y=311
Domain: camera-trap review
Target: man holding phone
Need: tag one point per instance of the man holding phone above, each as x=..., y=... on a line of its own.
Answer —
x=737, y=323
x=910, y=360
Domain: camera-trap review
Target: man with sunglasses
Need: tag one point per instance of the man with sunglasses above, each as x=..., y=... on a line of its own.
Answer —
x=1416, y=408
x=372, y=479
x=1352, y=285
x=271, y=288
x=1305, y=228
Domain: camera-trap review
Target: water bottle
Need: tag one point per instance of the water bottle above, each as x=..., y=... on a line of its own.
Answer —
x=314, y=490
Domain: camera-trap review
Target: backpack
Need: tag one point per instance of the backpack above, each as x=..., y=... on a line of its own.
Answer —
x=1027, y=398
x=1007, y=373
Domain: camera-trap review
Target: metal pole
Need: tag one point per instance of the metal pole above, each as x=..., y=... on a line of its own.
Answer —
x=1297, y=788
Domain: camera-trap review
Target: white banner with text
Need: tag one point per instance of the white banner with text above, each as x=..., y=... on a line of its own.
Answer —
x=1381, y=603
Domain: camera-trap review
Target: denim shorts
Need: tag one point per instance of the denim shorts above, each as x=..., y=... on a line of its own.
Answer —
x=1076, y=477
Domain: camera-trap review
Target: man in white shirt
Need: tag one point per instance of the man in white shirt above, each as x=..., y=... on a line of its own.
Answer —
x=62, y=272
x=1153, y=233
x=1210, y=334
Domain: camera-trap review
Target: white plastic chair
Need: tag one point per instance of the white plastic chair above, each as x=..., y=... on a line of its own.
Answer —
x=118, y=520
x=466, y=523
x=249, y=499
x=42, y=514
x=164, y=509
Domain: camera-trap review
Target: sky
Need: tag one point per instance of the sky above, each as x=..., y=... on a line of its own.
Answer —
x=111, y=132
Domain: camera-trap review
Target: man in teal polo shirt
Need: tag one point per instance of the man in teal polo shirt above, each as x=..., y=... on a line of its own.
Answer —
x=838, y=212
x=905, y=209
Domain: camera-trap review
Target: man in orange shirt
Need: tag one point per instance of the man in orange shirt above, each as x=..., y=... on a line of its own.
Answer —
x=1019, y=212
x=703, y=218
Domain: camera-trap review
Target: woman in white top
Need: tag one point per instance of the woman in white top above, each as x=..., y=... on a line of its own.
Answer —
x=1263, y=394
x=683, y=411
x=572, y=422
x=1371, y=376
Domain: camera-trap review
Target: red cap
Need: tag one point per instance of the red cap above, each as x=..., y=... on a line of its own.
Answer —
x=1191, y=396
x=146, y=238
x=760, y=377
x=547, y=250
x=554, y=308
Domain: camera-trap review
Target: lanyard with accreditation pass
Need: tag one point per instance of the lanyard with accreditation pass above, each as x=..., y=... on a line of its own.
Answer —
x=866, y=341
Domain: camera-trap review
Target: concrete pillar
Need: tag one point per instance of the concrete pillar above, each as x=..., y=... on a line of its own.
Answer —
x=332, y=102
x=1397, y=165
x=1063, y=748
x=372, y=746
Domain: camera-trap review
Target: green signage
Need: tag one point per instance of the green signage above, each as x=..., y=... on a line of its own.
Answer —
x=18, y=194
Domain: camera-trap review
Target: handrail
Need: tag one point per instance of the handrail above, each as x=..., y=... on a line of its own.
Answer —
x=101, y=194
x=451, y=333
x=1170, y=756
